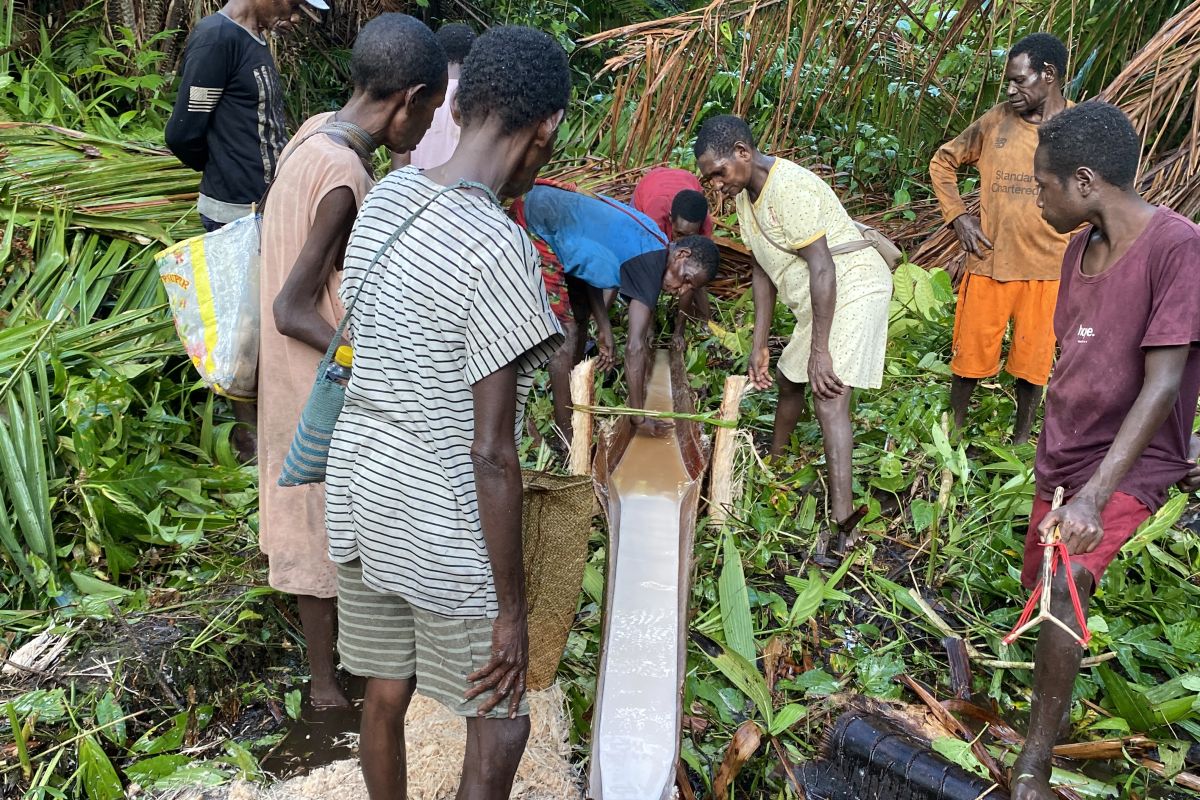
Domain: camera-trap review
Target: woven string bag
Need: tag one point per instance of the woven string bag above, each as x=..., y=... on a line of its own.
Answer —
x=556, y=518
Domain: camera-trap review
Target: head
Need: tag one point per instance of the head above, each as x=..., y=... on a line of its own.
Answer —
x=1086, y=156
x=514, y=88
x=725, y=152
x=282, y=16
x=456, y=40
x=689, y=209
x=1035, y=70
x=692, y=263
x=397, y=63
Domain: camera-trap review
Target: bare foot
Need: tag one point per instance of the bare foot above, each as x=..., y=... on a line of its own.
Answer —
x=1030, y=779
x=327, y=694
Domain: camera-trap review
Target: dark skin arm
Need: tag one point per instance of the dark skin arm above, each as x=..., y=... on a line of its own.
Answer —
x=498, y=486
x=764, y=293
x=295, y=307
x=637, y=364
x=822, y=287
x=604, y=334
x=1079, y=520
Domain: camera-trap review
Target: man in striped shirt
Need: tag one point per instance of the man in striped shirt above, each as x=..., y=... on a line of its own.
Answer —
x=423, y=499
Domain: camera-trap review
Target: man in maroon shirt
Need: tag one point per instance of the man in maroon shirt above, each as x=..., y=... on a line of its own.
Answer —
x=1121, y=404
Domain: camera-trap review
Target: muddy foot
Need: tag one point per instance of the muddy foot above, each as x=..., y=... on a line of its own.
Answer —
x=1030, y=780
x=327, y=694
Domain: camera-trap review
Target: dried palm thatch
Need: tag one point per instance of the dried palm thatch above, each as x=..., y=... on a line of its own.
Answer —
x=664, y=70
x=1160, y=91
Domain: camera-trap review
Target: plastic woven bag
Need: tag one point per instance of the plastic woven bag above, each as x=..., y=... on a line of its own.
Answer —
x=212, y=285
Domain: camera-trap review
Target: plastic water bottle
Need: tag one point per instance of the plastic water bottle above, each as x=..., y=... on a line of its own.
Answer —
x=339, y=370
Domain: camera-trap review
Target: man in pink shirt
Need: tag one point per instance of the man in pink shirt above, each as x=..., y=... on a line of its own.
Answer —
x=441, y=139
x=674, y=200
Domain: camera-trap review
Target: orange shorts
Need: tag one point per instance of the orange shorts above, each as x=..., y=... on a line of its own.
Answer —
x=985, y=307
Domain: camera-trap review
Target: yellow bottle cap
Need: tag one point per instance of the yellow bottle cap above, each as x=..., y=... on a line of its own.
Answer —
x=344, y=356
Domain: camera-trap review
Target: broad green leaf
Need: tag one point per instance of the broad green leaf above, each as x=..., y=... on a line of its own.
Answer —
x=959, y=752
x=99, y=778
x=735, y=603
x=742, y=674
x=786, y=717
x=90, y=585
x=1128, y=704
x=108, y=712
x=291, y=703
x=808, y=601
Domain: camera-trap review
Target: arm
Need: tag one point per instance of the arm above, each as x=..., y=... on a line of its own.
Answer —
x=764, y=292
x=1079, y=520
x=822, y=287
x=200, y=88
x=295, y=307
x=604, y=334
x=498, y=485
x=637, y=364
x=943, y=174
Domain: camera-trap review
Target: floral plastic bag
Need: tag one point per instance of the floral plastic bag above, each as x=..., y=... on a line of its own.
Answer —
x=212, y=284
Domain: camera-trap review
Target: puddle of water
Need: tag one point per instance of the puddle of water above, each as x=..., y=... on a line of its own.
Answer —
x=319, y=737
x=639, y=721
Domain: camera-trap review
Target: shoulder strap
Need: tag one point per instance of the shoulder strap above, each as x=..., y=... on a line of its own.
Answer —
x=391, y=240
x=836, y=250
x=348, y=133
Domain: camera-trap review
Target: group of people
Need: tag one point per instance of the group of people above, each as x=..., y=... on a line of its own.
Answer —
x=416, y=533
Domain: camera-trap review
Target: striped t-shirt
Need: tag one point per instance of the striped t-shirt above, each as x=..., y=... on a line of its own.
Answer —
x=456, y=298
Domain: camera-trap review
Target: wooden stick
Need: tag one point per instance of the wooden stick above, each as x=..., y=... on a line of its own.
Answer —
x=720, y=494
x=583, y=393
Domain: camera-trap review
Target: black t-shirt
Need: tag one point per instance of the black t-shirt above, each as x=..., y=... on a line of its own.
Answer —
x=228, y=119
x=642, y=277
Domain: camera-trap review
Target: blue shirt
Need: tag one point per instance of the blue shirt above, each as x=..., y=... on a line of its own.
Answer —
x=591, y=235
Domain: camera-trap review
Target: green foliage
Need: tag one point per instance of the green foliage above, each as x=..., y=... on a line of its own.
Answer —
x=83, y=80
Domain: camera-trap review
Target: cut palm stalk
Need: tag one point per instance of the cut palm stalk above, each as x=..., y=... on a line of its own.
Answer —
x=583, y=395
x=720, y=495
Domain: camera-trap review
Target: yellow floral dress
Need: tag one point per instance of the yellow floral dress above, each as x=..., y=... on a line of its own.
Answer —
x=795, y=209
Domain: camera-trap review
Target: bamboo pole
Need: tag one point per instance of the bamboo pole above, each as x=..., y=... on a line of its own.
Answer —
x=720, y=494
x=583, y=394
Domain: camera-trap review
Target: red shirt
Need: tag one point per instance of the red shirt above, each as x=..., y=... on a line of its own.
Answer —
x=1149, y=298
x=656, y=191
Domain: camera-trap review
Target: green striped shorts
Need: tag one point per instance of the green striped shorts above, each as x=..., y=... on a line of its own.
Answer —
x=383, y=636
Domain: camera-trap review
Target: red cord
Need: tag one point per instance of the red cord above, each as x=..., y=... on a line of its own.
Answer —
x=1061, y=555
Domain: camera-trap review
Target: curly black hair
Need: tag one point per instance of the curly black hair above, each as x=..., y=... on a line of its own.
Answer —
x=689, y=205
x=719, y=134
x=704, y=253
x=518, y=73
x=1094, y=134
x=1042, y=49
x=456, y=39
x=394, y=52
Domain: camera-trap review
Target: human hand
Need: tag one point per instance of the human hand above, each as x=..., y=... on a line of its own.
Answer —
x=678, y=342
x=1191, y=481
x=760, y=368
x=504, y=674
x=1079, y=525
x=970, y=234
x=825, y=383
x=654, y=426
x=606, y=348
